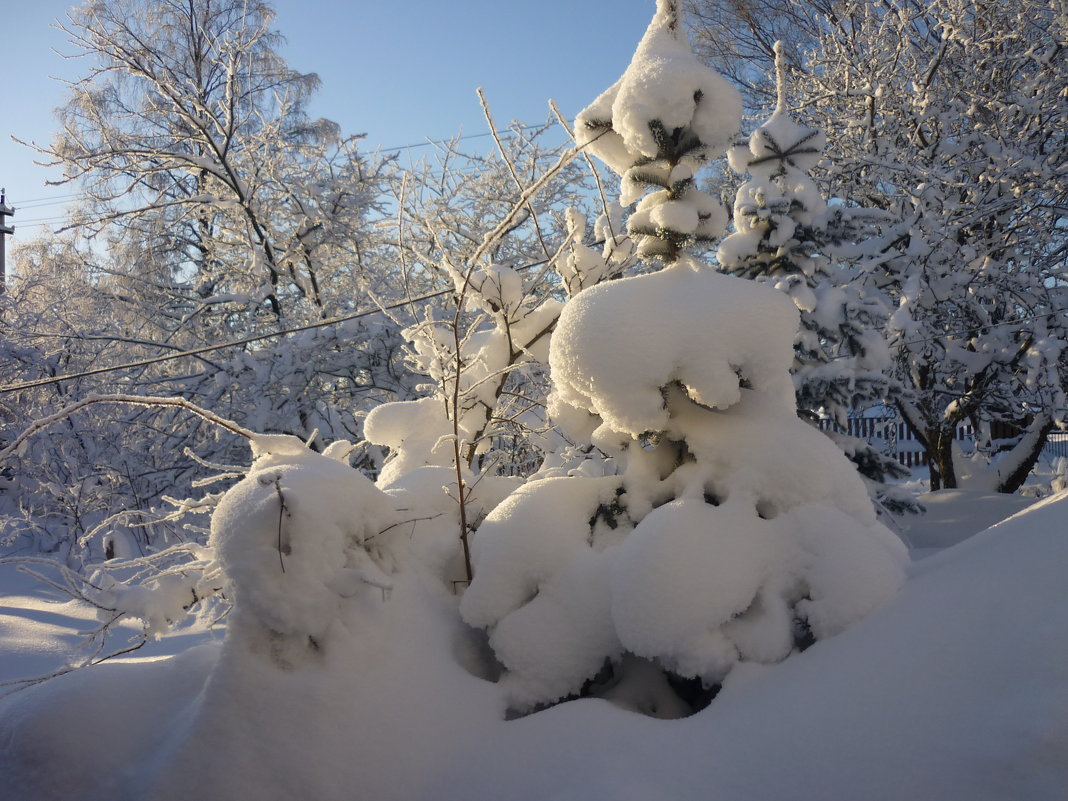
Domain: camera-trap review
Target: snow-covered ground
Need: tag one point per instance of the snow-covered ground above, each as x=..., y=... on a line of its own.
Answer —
x=957, y=689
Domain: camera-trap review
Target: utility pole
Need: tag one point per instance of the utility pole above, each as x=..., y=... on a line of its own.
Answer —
x=5, y=229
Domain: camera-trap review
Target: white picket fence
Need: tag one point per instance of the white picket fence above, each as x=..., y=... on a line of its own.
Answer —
x=891, y=436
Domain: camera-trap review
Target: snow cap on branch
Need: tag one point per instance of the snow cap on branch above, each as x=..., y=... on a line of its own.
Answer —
x=686, y=325
x=665, y=94
x=780, y=144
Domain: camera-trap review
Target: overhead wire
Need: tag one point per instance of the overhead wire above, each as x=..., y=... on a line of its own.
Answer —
x=367, y=312
x=219, y=346
x=381, y=310
x=234, y=343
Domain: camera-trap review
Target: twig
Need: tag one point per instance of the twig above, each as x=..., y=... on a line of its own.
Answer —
x=511, y=168
x=282, y=511
x=131, y=400
x=403, y=522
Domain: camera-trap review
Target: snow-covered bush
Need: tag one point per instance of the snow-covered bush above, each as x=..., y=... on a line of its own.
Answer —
x=299, y=534
x=731, y=531
x=482, y=351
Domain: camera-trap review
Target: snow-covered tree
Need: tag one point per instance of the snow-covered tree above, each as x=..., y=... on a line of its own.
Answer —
x=716, y=527
x=190, y=131
x=951, y=117
x=737, y=39
x=222, y=204
x=220, y=212
x=787, y=235
x=970, y=110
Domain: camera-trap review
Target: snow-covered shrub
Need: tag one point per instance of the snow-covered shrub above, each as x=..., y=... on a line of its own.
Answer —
x=299, y=534
x=455, y=453
x=440, y=446
x=733, y=532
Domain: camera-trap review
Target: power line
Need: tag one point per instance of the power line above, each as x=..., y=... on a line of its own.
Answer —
x=430, y=142
x=258, y=338
x=380, y=310
x=209, y=348
x=42, y=220
x=54, y=200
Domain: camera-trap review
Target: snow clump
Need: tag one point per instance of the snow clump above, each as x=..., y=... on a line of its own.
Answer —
x=665, y=84
x=685, y=324
x=296, y=537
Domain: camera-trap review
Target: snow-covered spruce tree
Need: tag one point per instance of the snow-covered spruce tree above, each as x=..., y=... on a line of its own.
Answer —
x=787, y=236
x=725, y=530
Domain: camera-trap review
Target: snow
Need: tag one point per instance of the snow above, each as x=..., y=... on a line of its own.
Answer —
x=754, y=450
x=686, y=323
x=664, y=82
x=915, y=701
x=780, y=139
x=527, y=538
x=543, y=587
x=555, y=642
x=295, y=537
x=688, y=569
x=952, y=516
x=919, y=700
x=696, y=552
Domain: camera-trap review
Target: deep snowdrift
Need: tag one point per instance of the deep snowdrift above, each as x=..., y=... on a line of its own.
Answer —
x=956, y=690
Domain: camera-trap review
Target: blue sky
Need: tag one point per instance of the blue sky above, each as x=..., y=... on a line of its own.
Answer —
x=399, y=72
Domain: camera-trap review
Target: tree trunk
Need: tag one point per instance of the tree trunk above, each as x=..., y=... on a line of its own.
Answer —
x=1019, y=461
x=940, y=457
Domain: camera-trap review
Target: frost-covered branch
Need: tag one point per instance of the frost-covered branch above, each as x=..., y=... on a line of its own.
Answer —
x=130, y=400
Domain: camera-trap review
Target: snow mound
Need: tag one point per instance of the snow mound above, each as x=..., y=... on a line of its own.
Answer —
x=955, y=690
x=533, y=532
x=390, y=713
x=296, y=536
